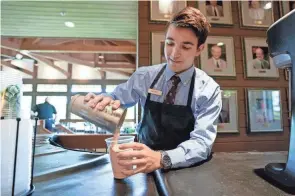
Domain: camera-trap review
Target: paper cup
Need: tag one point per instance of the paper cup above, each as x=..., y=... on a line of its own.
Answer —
x=113, y=150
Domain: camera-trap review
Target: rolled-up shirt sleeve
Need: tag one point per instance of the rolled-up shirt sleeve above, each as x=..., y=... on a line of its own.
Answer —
x=198, y=147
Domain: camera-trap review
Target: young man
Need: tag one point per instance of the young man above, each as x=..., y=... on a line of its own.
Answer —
x=180, y=103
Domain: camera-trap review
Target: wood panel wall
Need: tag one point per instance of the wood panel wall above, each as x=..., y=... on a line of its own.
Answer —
x=241, y=141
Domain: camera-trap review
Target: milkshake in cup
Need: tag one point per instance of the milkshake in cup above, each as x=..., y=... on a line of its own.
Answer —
x=113, y=149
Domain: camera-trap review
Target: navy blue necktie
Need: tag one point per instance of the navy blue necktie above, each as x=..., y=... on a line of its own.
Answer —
x=170, y=97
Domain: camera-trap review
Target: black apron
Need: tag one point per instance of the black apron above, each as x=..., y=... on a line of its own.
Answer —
x=165, y=126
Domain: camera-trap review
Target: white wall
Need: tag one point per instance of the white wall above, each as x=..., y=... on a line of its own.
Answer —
x=47, y=72
x=85, y=73
x=115, y=76
x=27, y=64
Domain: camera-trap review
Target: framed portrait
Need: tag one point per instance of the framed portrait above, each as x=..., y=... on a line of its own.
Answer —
x=228, y=117
x=286, y=7
x=256, y=14
x=258, y=63
x=264, y=110
x=157, y=48
x=217, y=12
x=218, y=56
x=162, y=10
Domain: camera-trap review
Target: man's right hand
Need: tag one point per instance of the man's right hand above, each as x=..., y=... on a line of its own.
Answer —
x=99, y=102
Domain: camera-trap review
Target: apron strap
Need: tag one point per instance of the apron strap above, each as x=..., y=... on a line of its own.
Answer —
x=156, y=80
x=191, y=89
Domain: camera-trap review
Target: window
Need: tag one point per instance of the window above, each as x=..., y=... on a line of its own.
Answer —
x=86, y=88
x=26, y=102
x=51, y=88
x=26, y=106
x=27, y=87
x=59, y=102
x=130, y=113
x=73, y=116
x=110, y=88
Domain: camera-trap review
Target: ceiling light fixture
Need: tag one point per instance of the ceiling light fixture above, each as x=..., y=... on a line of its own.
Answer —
x=18, y=56
x=70, y=24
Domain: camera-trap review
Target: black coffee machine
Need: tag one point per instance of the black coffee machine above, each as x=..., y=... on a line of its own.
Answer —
x=281, y=43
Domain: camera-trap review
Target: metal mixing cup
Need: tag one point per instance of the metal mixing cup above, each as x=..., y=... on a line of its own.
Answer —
x=108, y=119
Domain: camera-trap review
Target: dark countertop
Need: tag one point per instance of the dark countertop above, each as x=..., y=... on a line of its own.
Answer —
x=95, y=178
x=226, y=174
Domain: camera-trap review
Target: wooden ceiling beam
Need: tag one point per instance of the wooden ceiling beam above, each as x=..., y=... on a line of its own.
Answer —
x=36, y=40
x=116, y=65
x=8, y=53
x=12, y=44
x=77, y=48
x=74, y=60
x=117, y=71
x=11, y=54
x=67, y=58
x=112, y=43
x=49, y=63
x=61, y=41
x=48, y=41
x=102, y=74
x=129, y=58
x=8, y=64
x=133, y=42
x=104, y=42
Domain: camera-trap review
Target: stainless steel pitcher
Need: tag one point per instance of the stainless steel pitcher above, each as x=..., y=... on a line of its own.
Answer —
x=108, y=119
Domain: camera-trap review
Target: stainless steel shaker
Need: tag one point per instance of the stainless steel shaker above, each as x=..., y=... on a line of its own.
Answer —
x=108, y=119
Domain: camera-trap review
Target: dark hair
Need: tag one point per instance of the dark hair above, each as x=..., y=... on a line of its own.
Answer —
x=193, y=19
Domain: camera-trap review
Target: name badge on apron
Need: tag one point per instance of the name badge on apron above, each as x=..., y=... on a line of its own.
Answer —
x=155, y=92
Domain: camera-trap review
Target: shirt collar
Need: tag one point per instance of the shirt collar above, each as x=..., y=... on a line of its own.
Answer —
x=216, y=60
x=184, y=76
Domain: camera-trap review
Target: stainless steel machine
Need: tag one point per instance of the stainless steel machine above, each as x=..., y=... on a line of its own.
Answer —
x=281, y=43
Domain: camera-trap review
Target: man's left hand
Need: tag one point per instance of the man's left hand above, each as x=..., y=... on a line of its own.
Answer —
x=147, y=160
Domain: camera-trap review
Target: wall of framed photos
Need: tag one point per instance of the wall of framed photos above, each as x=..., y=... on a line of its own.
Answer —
x=246, y=85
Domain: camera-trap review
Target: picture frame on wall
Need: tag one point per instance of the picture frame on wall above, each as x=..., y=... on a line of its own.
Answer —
x=228, y=117
x=157, y=48
x=264, y=110
x=288, y=102
x=162, y=11
x=286, y=7
x=286, y=74
x=258, y=63
x=256, y=14
x=217, y=12
x=218, y=56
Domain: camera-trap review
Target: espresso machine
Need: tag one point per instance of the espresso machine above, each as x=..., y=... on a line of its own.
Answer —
x=281, y=43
